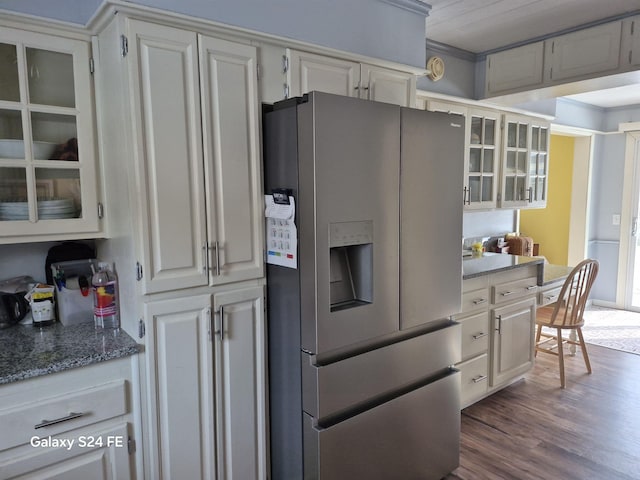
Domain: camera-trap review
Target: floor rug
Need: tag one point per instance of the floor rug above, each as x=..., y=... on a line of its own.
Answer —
x=608, y=327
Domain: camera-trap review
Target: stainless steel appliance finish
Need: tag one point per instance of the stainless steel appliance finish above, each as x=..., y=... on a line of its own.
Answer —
x=349, y=176
x=359, y=352
x=430, y=260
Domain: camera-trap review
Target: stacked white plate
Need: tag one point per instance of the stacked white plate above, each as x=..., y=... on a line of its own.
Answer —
x=47, y=209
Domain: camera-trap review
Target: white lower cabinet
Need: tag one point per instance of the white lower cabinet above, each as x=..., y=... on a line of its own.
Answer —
x=498, y=321
x=95, y=455
x=71, y=425
x=513, y=340
x=206, y=386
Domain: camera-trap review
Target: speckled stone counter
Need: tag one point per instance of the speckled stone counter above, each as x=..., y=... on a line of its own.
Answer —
x=554, y=273
x=497, y=262
x=26, y=351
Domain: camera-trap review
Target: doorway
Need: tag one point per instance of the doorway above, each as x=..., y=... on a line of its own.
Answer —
x=628, y=293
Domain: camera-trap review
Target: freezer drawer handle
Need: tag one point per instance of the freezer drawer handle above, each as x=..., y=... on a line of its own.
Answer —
x=480, y=301
x=479, y=378
x=480, y=335
x=47, y=423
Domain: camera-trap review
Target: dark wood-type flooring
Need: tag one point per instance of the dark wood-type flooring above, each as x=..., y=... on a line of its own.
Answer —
x=535, y=430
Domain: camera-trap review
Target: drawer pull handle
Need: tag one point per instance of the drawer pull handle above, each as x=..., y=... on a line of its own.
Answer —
x=532, y=287
x=550, y=297
x=479, y=378
x=47, y=423
x=478, y=336
x=506, y=294
x=480, y=301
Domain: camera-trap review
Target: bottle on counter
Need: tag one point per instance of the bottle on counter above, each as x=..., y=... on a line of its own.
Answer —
x=104, y=283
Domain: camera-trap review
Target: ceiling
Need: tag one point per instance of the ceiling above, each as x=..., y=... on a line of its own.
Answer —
x=481, y=26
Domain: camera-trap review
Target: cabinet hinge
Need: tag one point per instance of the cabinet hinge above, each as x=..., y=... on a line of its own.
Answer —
x=633, y=24
x=258, y=71
x=131, y=446
x=124, y=45
x=141, y=329
x=551, y=73
x=138, y=271
x=286, y=91
x=553, y=47
x=285, y=64
x=92, y=66
x=630, y=55
x=100, y=210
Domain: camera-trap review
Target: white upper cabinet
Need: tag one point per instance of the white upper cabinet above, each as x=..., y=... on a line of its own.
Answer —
x=539, y=164
x=584, y=53
x=163, y=67
x=482, y=158
x=385, y=85
x=48, y=167
x=630, y=52
x=232, y=159
x=525, y=162
x=307, y=72
x=514, y=69
x=195, y=111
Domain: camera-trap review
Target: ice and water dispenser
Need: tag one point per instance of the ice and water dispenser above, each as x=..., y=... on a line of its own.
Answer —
x=350, y=264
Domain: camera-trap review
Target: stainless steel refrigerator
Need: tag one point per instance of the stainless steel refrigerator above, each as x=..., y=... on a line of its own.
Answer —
x=361, y=341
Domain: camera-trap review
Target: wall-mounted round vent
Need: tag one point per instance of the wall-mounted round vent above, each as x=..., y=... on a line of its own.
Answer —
x=435, y=65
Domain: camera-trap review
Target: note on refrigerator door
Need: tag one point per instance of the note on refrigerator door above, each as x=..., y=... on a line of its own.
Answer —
x=281, y=233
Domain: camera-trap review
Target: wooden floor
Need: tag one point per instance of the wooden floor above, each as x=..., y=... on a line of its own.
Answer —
x=535, y=430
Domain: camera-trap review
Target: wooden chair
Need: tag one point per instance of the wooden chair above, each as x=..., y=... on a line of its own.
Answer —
x=567, y=314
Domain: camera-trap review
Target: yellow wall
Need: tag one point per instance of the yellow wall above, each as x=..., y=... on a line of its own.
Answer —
x=550, y=226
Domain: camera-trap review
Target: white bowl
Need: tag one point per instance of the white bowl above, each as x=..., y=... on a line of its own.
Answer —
x=15, y=149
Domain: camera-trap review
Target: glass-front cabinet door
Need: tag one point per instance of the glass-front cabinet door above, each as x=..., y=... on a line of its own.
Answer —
x=515, y=162
x=525, y=160
x=47, y=156
x=538, y=164
x=481, y=159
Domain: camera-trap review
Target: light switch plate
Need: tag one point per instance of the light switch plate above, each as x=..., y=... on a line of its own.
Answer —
x=616, y=219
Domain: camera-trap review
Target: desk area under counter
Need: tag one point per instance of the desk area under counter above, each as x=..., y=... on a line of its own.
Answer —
x=67, y=397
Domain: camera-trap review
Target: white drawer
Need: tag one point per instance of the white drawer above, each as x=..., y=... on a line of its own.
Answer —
x=506, y=292
x=475, y=335
x=54, y=415
x=475, y=300
x=549, y=296
x=474, y=379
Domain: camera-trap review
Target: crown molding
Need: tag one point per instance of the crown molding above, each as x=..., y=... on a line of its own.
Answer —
x=443, y=48
x=414, y=6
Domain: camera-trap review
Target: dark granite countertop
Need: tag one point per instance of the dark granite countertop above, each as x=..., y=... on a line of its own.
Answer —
x=497, y=262
x=553, y=273
x=27, y=351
